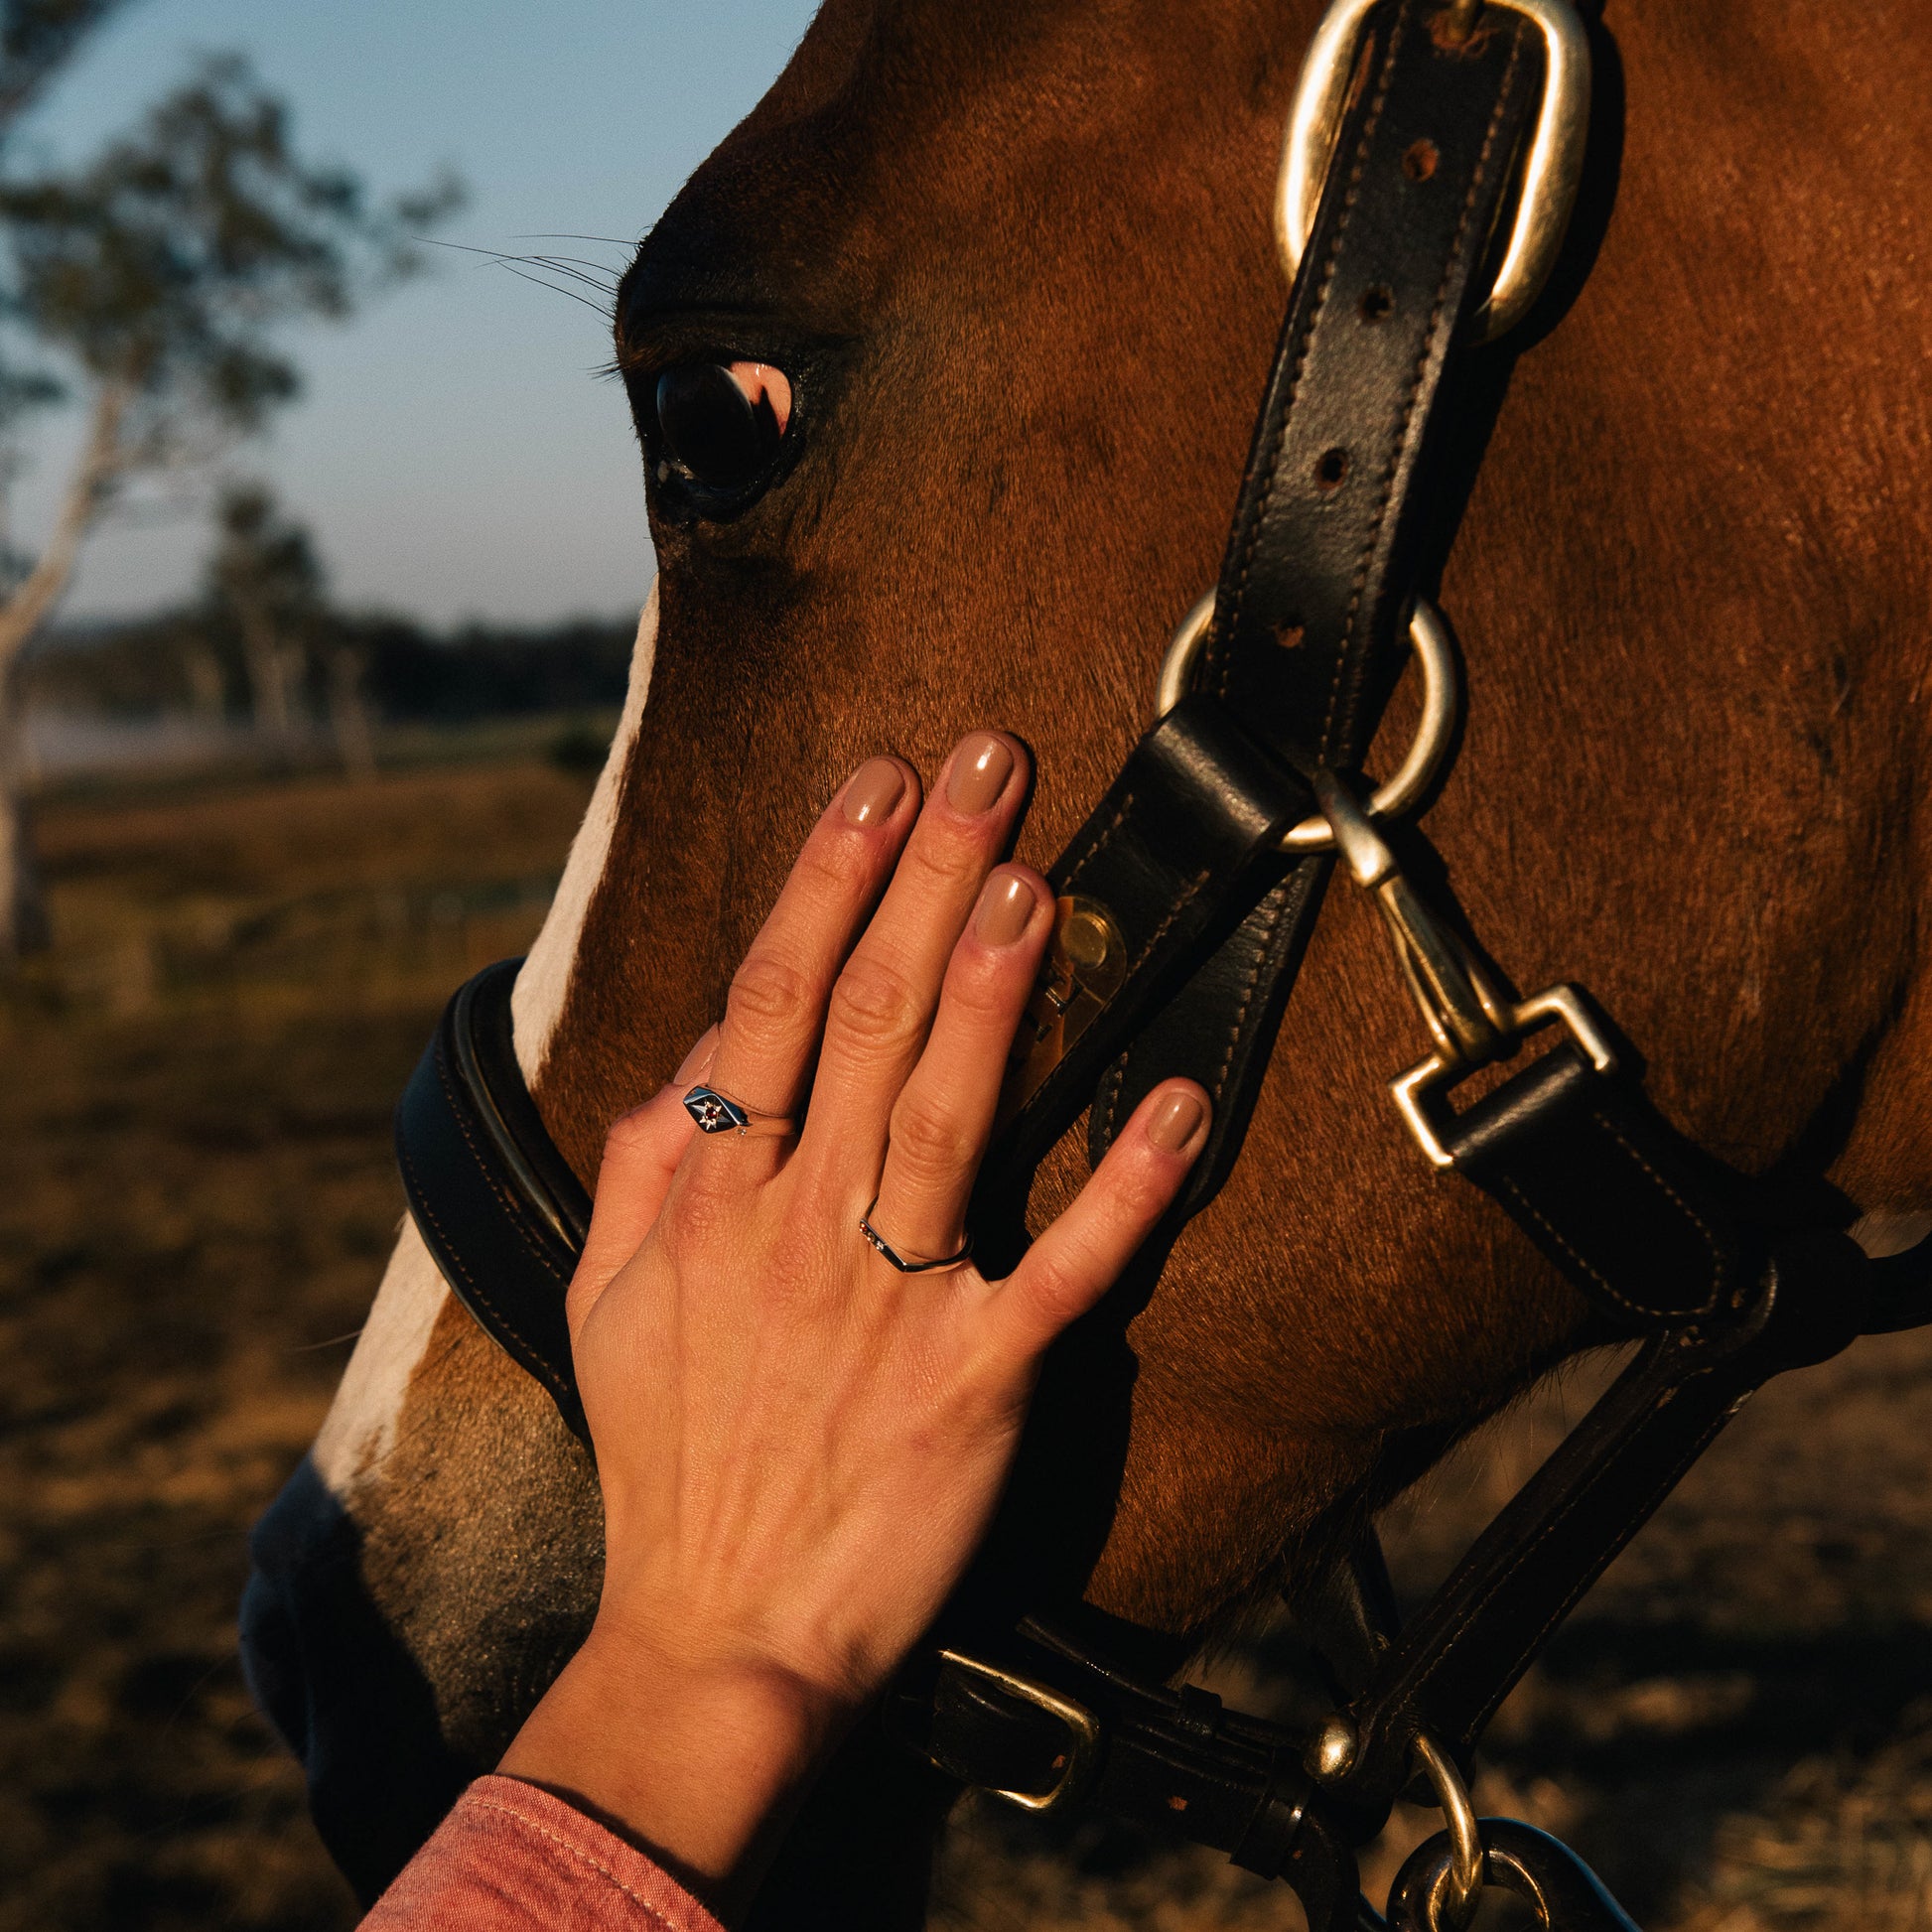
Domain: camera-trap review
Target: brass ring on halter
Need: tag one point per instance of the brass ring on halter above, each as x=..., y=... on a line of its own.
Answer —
x=1452, y=1903
x=717, y=1113
x=905, y=1264
x=1435, y=731
x=1551, y=171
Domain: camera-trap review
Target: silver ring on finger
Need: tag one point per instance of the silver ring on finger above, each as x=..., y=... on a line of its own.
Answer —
x=719, y=1113
x=909, y=1264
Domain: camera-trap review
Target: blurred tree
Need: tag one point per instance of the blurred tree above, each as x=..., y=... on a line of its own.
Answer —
x=266, y=582
x=37, y=39
x=159, y=272
x=267, y=579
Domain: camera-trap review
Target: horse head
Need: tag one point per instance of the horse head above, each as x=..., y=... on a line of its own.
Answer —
x=943, y=367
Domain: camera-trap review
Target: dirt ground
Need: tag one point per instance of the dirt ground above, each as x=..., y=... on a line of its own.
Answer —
x=196, y=1195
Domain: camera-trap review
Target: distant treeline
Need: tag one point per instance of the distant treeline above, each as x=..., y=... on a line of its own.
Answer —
x=191, y=661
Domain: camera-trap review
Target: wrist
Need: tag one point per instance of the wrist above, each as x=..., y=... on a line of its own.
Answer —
x=698, y=1763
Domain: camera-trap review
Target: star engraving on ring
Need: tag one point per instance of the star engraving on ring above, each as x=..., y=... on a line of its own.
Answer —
x=714, y=1113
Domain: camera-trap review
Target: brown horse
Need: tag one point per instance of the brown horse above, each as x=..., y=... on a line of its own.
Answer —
x=1014, y=264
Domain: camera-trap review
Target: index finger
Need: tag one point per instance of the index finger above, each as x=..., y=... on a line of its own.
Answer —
x=776, y=1004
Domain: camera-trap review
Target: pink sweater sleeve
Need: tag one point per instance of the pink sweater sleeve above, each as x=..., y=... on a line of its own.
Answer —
x=510, y=1858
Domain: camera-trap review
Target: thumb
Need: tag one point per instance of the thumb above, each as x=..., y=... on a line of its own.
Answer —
x=640, y=1153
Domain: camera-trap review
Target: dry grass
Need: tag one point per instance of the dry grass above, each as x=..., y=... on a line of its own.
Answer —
x=195, y=1201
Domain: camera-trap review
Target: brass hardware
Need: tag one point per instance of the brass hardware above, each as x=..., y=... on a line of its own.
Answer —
x=1471, y=1020
x=1184, y=654
x=1332, y=1754
x=1084, y=1731
x=1452, y=1904
x=1551, y=172
x=1086, y=965
x=1435, y=731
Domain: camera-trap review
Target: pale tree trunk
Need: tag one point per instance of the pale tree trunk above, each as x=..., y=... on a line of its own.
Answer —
x=22, y=907
x=22, y=912
x=349, y=713
x=268, y=681
x=206, y=689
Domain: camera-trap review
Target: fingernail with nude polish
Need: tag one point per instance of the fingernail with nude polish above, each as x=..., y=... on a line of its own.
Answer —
x=980, y=771
x=876, y=790
x=1174, y=1122
x=1006, y=907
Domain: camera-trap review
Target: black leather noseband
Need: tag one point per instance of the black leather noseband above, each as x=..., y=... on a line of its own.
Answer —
x=496, y=1204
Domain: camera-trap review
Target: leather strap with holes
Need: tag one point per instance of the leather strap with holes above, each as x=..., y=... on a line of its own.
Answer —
x=1341, y=511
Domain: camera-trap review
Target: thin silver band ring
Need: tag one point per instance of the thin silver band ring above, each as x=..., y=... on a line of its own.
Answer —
x=719, y=1113
x=901, y=1262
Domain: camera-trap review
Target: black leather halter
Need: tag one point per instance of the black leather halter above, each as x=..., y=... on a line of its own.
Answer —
x=1193, y=921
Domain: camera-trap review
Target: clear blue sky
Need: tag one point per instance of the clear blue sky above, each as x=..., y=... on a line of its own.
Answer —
x=455, y=452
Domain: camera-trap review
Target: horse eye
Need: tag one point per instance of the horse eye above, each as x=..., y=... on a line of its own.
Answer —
x=711, y=429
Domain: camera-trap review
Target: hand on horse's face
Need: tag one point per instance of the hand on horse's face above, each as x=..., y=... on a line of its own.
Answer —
x=801, y=1447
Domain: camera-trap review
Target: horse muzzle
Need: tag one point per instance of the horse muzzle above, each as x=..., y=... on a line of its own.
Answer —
x=333, y=1679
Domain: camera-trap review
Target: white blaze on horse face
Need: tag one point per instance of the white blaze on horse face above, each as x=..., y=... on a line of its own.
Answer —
x=537, y=999
x=360, y=1427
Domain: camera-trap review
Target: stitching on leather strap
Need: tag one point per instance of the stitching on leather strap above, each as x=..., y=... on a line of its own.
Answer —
x=1181, y=905
x=505, y=1198
x=1112, y=1083
x=1676, y=1201
x=1652, y=1497
x=537, y=1365
x=1579, y=1499
x=1252, y=981
x=1406, y=416
x=1100, y=841
x=1582, y=1261
x=1219, y=656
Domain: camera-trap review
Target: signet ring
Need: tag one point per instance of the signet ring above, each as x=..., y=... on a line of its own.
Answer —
x=719, y=1113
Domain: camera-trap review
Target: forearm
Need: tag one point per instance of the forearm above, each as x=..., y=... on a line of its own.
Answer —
x=699, y=1767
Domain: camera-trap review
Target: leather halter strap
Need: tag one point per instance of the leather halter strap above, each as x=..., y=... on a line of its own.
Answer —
x=1342, y=513
x=1332, y=516
x=496, y=1205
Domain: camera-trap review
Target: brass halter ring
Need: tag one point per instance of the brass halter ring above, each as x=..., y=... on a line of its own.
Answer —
x=1551, y=172
x=1440, y=693
x=1452, y=1904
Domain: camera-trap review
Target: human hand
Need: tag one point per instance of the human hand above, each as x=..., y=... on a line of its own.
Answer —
x=801, y=1448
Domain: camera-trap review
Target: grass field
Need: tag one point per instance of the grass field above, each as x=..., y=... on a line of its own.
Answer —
x=196, y=1197
x=196, y=1201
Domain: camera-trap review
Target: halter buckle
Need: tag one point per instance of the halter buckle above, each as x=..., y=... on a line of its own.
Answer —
x=1082, y=1727
x=1551, y=169
x=1470, y=1019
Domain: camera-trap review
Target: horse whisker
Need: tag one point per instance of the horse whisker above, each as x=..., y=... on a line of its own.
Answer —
x=614, y=240
x=509, y=262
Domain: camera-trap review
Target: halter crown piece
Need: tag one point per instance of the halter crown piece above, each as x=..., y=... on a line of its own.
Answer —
x=1431, y=159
